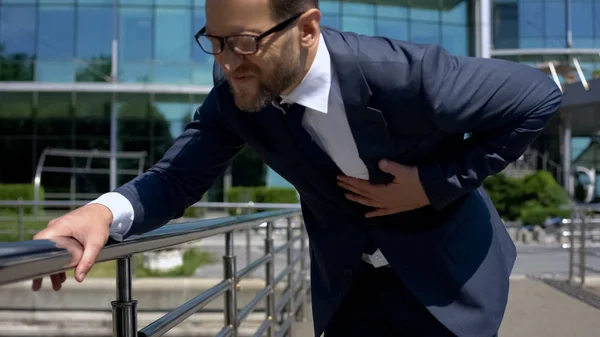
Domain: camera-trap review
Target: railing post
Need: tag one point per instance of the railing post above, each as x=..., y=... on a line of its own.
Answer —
x=582, y=248
x=290, y=275
x=124, y=308
x=303, y=270
x=572, y=243
x=20, y=221
x=270, y=280
x=229, y=272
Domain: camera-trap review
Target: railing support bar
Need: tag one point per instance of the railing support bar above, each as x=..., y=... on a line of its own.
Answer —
x=270, y=281
x=582, y=248
x=229, y=272
x=301, y=316
x=572, y=244
x=290, y=275
x=124, y=308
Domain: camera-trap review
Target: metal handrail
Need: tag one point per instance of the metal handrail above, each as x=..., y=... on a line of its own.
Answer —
x=578, y=235
x=21, y=261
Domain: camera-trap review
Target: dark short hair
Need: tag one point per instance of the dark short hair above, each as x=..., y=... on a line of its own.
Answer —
x=283, y=9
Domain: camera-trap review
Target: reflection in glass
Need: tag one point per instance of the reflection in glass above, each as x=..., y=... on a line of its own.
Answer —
x=135, y=34
x=56, y=31
x=173, y=31
x=17, y=43
x=16, y=137
x=56, y=47
x=54, y=129
x=94, y=43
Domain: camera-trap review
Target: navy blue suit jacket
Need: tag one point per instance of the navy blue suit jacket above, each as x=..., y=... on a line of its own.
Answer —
x=412, y=104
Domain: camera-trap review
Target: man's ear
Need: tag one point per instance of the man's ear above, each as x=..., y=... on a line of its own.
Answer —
x=218, y=74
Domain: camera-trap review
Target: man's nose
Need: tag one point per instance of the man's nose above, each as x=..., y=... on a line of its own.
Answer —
x=229, y=60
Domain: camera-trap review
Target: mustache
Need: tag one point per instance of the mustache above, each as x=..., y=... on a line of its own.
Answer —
x=242, y=70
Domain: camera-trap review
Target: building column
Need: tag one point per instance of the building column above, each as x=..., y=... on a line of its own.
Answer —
x=485, y=28
x=566, y=145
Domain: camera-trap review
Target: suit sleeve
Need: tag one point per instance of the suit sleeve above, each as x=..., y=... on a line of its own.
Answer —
x=188, y=169
x=504, y=105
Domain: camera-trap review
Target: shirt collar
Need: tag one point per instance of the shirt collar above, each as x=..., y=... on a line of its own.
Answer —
x=313, y=91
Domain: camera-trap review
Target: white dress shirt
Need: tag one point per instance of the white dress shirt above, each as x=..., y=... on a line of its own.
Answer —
x=325, y=120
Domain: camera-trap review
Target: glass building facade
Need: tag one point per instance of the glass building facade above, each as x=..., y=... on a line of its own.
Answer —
x=565, y=33
x=56, y=64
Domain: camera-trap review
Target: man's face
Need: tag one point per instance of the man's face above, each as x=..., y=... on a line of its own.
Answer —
x=257, y=79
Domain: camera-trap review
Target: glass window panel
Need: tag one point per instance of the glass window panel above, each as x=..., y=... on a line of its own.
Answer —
x=394, y=29
x=424, y=15
x=94, y=32
x=360, y=25
x=54, y=2
x=454, y=39
x=353, y=8
x=55, y=71
x=135, y=35
x=135, y=131
x=95, y=70
x=583, y=42
x=399, y=10
x=96, y=2
x=17, y=43
x=555, y=42
x=583, y=19
x=597, y=18
x=17, y=34
x=173, y=2
x=554, y=24
x=136, y=2
x=56, y=33
x=19, y=2
x=136, y=72
x=202, y=74
x=329, y=6
x=173, y=33
x=175, y=110
x=54, y=123
x=331, y=20
x=423, y=32
x=505, y=25
x=456, y=14
x=16, y=137
x=92, y=121
x=173, y=73
x=531, y=23
x=531, y=42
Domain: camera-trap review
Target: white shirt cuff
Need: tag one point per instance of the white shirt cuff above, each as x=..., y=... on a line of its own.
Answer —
x=122, y=212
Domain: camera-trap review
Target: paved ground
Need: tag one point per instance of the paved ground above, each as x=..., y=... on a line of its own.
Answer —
x=534, y=310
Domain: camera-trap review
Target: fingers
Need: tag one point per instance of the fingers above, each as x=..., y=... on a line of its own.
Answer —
x=37, y=284
x=57, y=281
x=90, y=253
x=363, y=200
x=357, y=186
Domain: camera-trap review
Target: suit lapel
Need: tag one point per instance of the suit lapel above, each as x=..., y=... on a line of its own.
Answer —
x=368, y=125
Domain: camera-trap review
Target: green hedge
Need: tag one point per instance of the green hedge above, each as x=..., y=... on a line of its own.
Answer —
x=261, y=194
x=16, y=191
x=531, y=199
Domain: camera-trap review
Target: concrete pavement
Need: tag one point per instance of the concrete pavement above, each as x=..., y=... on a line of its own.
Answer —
x=535, y=309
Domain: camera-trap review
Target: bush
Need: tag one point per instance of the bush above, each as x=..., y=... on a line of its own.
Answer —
x=16, y=191
x=530, y=199
x=261, y=194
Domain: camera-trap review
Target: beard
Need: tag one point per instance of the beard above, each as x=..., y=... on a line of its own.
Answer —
x=284, y=71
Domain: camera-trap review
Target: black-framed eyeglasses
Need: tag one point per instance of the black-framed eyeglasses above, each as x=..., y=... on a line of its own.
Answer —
x=243, y=44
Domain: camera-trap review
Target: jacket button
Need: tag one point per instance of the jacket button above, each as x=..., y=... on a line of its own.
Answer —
x=348, y=271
